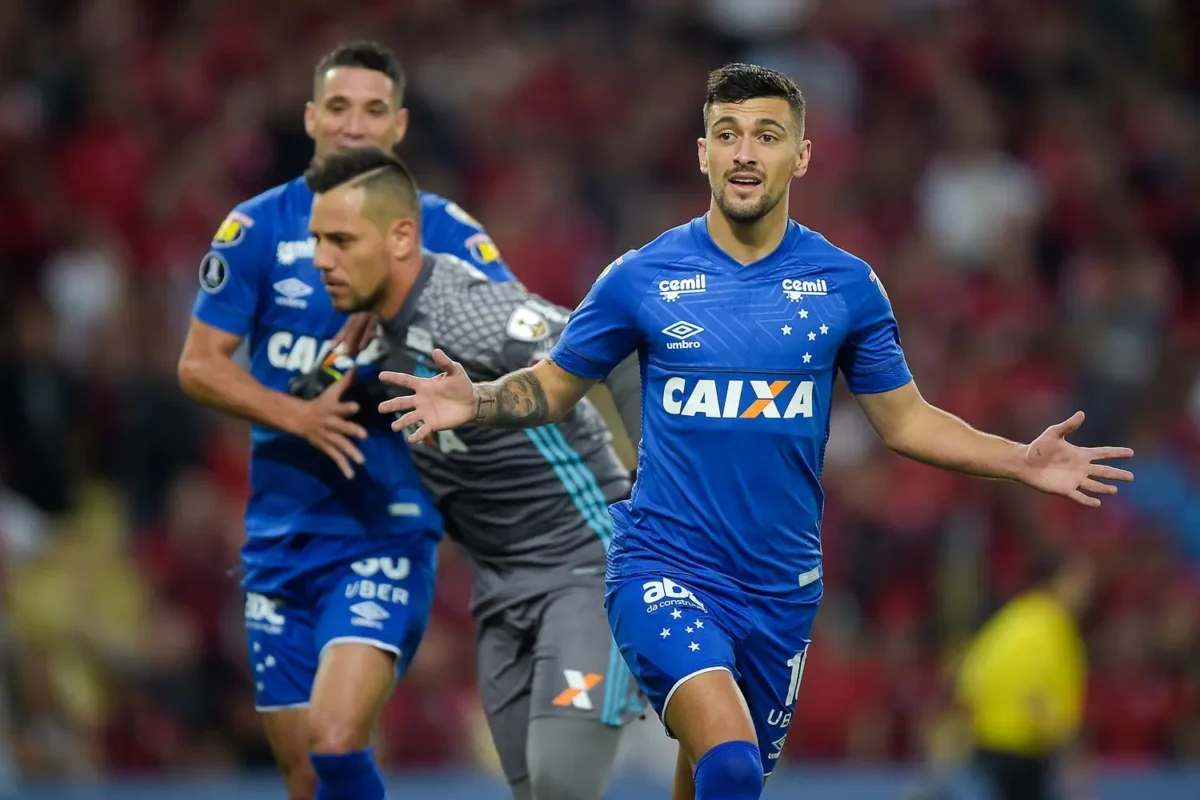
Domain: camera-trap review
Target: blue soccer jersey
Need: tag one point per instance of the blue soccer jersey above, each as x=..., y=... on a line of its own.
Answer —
x=738, y=370
x=715, y=562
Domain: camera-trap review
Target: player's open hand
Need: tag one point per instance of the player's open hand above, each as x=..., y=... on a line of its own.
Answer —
x=1055, y=466
x=436, y=404
x=323, y=422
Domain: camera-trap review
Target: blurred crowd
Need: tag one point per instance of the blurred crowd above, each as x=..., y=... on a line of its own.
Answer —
x=1024, y=175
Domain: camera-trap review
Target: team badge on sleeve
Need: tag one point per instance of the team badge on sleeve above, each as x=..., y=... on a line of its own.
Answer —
x=483, y=248
x=527, y=325
x=232, y=230
x=214, y=273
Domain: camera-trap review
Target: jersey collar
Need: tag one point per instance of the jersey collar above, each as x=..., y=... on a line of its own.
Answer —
x=795, y=231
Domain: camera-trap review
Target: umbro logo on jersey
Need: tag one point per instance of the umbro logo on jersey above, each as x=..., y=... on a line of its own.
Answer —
x=368, y=614
x=292, y=292
x=671, y=290
x=795, y=289
x=683, y=331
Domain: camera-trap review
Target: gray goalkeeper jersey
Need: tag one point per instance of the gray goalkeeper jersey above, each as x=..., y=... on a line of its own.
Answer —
x=530, y=506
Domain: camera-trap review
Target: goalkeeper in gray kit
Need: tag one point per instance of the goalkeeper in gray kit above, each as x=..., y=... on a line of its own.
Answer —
x=528, y=507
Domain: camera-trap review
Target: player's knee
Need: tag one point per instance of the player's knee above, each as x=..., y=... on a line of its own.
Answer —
x=730, y=771
x=336, y=733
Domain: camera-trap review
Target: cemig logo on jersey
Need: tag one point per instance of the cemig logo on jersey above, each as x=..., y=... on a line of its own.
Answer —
x=683, y=331
x=671, y=290
x=795, y=288
x=292, y=292
x=737, y=399
x=288, y=253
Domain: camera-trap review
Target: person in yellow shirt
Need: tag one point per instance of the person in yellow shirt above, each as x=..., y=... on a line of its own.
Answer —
x=1023, y=678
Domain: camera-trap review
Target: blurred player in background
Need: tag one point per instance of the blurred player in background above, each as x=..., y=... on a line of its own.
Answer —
x=742, y=318
x=340, y=557
x=1022, y=682
x=529, y=507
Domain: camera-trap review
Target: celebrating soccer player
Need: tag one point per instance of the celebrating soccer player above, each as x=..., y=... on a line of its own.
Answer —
x=741, y=318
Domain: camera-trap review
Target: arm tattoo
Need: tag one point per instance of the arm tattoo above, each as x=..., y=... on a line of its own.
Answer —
x=515, y=401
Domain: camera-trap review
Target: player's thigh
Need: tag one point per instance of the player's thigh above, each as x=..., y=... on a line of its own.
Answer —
x=370, y=625
x=504, y=665
x=772, y=666
x=283, y=656
x=579, y=672
x=681, y=654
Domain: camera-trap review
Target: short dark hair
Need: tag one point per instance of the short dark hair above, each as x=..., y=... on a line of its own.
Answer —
x=372, y=167
x=737, y=83
x=363, y=55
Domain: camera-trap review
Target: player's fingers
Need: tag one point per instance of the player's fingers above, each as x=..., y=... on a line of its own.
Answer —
x=397, y=404
x=401, y=379
x=1110, y=473
x=345, y=446
x=1069, y=425
x=1106, y=453
x=346, y=409
x=1096, y=487
x=445, y=363
x=409, y=419
x=419, y=434
x=1084, y=500
x=347, y=428
x=334, y=455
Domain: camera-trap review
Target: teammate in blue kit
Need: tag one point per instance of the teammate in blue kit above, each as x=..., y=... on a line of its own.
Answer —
x=341, y=534
x=741, y=319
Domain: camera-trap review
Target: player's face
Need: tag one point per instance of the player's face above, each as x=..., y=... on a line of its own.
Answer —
x=351, y=253
x=354, y=107
x=750, y=153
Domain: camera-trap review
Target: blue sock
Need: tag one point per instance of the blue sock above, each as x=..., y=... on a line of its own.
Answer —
x=348, y=776
x=730, y=771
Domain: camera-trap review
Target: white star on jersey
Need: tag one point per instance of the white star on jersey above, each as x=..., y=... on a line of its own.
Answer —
x=787, y=330
x=665, y=632
x=807, y=357
x=676, y=614
x=700, y=623
x=812, y=336
x=804, y=313
x=693, y=647
x=824, y=329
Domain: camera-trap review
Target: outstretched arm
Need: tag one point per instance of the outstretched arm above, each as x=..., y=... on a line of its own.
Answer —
x=912, y=427
x=530, y=397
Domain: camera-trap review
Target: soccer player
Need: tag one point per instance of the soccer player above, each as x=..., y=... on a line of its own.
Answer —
x=529, y=507
x=341, y=534
x=741, y=318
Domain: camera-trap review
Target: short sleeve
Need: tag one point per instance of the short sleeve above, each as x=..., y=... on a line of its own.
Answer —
x=230, y=274
x=871, y=358
x=449, y=229
x=603, y=330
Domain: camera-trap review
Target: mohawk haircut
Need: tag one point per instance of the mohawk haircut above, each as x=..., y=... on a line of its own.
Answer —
x=390, y=186
x=737, y=83
x=363, y=55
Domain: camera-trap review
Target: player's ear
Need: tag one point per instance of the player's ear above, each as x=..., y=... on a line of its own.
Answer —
x=401, y=124
x=404, y=238
x=802, y=156
x=702, y=152
x=310, y=120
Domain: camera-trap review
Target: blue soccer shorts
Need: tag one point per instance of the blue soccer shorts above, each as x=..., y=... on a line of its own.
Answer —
x=671, y=628
x=329, y=591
